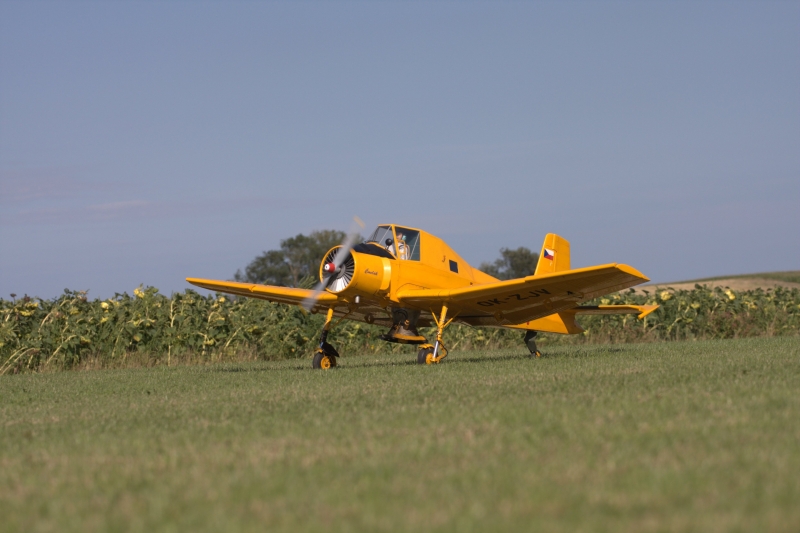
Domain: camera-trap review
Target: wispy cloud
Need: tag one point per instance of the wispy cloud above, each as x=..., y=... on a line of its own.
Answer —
x=21, y=186
x=128, y=210
x=54, y=195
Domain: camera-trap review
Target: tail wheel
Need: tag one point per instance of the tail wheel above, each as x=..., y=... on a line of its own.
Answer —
x=425, y=355
x=323, y=360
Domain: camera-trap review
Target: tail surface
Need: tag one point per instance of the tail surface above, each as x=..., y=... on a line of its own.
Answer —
x=554, y=256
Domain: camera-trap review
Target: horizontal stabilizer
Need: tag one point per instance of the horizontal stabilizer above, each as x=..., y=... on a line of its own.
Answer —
x=640, y=310
x=564, y=322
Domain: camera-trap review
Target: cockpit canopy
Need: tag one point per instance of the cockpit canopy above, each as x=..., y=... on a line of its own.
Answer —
x=399, y=242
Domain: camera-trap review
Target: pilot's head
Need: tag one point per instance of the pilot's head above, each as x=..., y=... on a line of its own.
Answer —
x=389, y=241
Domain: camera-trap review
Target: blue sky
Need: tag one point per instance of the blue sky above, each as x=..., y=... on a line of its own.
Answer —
x=143, y=142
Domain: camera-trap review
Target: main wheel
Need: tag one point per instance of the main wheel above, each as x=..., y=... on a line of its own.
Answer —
x=323, y=360
x=425, y=355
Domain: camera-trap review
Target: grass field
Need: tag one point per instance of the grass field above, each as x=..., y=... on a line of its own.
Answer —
x=701, y=436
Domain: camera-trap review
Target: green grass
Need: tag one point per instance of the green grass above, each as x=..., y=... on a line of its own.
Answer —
x=792, y=276
x=677, y=436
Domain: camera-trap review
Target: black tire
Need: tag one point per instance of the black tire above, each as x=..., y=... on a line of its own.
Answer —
x=424, y=355
x=323, y=361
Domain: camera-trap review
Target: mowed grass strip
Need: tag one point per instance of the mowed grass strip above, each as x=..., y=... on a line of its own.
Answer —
x=700, y=436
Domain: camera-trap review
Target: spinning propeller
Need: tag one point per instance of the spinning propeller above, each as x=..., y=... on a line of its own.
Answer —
x=338, y=267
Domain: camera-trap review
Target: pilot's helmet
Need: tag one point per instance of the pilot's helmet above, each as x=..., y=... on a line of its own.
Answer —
x=389, y=241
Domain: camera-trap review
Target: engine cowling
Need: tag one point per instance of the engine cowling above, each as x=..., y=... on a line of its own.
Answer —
x=359, y=274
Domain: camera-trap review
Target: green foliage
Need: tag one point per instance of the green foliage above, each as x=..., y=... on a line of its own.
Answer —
x=702, y=313
x=299, y=257
x=512, y=264
x=63, y=332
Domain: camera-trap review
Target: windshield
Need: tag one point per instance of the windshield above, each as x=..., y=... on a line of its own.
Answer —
x=407, y=246
x=381, y=235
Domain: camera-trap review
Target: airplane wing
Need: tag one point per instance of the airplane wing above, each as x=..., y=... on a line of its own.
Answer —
x=520, y=300
x=284, y=295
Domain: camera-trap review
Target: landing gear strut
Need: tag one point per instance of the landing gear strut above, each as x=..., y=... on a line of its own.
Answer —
x=429, y=354
x=530, y=342
x=325, y=355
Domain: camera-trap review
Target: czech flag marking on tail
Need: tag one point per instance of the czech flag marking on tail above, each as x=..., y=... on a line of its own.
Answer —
x=549, y=254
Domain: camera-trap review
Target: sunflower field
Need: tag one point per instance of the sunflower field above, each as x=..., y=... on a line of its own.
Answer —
x=149, y=328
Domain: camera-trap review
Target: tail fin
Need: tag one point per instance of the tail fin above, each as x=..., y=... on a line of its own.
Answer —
x=554, y=256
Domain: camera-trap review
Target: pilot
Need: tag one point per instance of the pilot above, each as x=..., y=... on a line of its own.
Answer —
x=402, y=247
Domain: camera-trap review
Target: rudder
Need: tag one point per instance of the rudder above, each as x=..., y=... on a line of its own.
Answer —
x=554, y=256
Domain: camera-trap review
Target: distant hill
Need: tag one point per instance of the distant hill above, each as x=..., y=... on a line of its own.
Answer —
x=742, y=282
x=792, y=276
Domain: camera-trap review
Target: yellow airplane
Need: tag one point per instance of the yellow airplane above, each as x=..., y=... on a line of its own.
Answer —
x=404, y=278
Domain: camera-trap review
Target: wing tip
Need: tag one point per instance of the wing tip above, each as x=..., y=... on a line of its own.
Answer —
x=204, y=283
x=633, y=272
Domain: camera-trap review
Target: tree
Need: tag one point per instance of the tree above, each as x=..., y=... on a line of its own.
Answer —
x=512, y=264
x=298, y=258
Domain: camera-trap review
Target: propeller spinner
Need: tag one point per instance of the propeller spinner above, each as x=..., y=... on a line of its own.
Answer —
x=338, y=267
